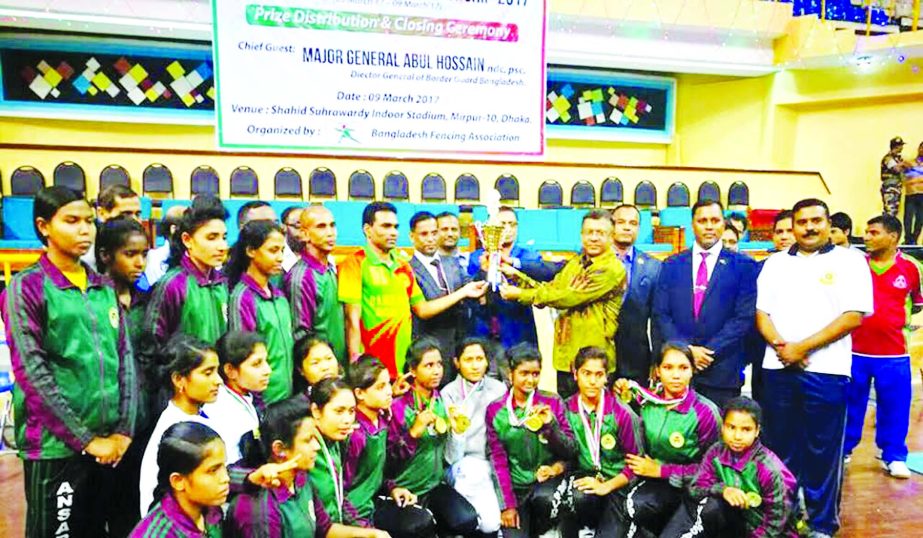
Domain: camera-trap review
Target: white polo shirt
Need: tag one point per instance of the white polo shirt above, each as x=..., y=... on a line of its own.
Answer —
x=804, y=294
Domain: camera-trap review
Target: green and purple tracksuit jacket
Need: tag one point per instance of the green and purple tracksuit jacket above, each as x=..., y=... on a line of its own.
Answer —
x=756, y=471
x=75, y=370
x=322, y=479
x=311, y=288
x=620, y=424
x=364, y=467
x=189, y=301
x=419, y=463
x=253, y=309
x=278, y=513
x=516, y=452
x=694, y=424
x=167, y=520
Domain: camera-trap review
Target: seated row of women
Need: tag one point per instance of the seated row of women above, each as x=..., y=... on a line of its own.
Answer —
x=360, y=457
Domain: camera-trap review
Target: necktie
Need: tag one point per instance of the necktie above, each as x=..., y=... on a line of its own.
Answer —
x=440, y=278
x=701, y=284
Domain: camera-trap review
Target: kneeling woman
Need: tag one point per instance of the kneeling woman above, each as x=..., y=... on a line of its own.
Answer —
x=366, y=451
x=529, y=441
x=741, y=488
x=605, y=430
x=679, y=426
x=192, y=484
x=418, y=433
x=287, y=437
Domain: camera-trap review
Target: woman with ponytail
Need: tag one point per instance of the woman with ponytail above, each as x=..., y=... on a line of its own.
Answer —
x=257, y=305
x=191, y=376
x=192, y=297
x=192, y=484
x=288, y=438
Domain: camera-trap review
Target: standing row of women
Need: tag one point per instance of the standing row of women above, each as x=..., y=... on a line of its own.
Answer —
x=115, y=388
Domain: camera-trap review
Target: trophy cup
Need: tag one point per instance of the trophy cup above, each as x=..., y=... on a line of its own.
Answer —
x=491, y=234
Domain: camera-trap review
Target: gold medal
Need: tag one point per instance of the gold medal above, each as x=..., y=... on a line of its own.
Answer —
x=114, y=317
x=440, y=426
x=533, y=423
x=626, y=395
x=677, y=440
x=753, y=499
x=462, y=423
x=607, y=441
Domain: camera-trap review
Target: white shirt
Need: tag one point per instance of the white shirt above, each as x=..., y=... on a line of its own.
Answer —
x=157, y=263
x=804, y=294
x=232, y=415
x=147, y=482
x=427, y=262
x=289, y=258
x=710, y=262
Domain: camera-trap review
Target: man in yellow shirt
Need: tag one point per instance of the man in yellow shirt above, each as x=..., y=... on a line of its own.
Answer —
x=588, y=294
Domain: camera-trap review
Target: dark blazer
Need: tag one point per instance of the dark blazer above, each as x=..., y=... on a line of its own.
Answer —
x=632, y=339
x=725, y=320
x=510, y=322
x=450, y=326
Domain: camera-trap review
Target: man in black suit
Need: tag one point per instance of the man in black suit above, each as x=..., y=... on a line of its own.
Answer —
x=706, y=297
x=438, y=276
x=633, y=339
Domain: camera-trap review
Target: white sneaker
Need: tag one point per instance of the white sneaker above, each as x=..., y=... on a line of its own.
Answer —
x=847, y=459
x=898, y=469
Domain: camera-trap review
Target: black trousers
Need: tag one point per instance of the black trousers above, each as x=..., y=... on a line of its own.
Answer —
x=712, y=517
x=442, y=511
x=648, y=506
x=73, y=497
x=539, y=510
x=913, y=218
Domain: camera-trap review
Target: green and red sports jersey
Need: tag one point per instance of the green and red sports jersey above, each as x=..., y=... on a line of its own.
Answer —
x=385, y=289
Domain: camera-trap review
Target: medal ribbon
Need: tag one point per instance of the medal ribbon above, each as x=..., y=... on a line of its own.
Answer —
x=593, y=435
x=464, y=392
x=248, y=407
x=514, y=420
x=336, y=476
x=651, y=396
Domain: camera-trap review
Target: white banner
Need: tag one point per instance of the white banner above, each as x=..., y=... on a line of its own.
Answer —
x=459, y=77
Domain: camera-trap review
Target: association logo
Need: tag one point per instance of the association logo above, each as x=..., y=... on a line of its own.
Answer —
x=900, y=282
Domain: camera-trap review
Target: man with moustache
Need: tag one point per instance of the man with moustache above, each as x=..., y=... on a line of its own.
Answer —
x=706, y=296
x=449, y=233
x=810, y=298
x=632, y=339
x=379, y=292
x=438, y=276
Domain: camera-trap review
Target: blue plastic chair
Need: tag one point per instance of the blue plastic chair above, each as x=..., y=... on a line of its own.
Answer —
x=709, y=190
x=69, y=174
x=204, y=180
x=678, y=195
x=508, y=186
x=244, y=182
x=396, y=186
x=361, y=186
x=550, y=194
x=646, y=195
x=612, y=192
x=739, y=194
x=583, y=194
x=26, y=181
x=433, y=188
x=157, y=179
x=287, y=183
x=467, y=188
x=113, y=175
x=322, y=182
